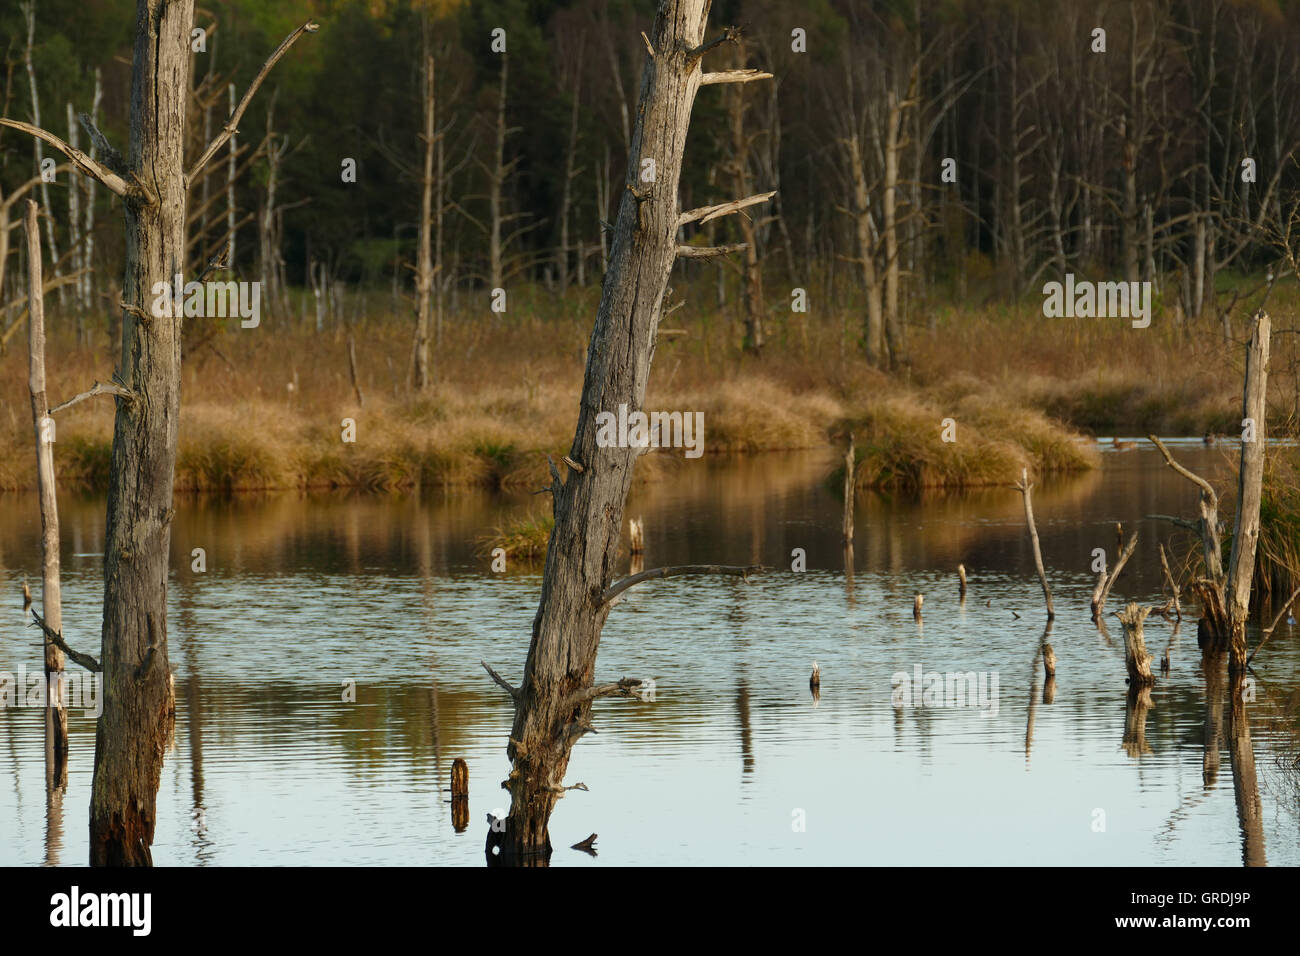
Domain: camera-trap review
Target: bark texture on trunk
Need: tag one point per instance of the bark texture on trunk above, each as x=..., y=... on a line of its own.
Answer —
x=553, y=702
x=138, y=705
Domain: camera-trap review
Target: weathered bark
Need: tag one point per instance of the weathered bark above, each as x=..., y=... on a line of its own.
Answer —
x=56, y=718
x=1136, y=658
x=132, y=732
x=553, y=701
x=139, y=705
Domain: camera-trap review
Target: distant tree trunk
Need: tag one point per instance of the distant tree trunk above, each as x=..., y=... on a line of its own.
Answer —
x=56, y=718
x=88, y=278
x=752, y=298
x=496, y=185
x=268, y=249
x=29, y=12
x=74, y=231
x=873, y=329
x=570, y=171
x=424, y=258
x=893, y=323
x=553, y=702
x=232, y=173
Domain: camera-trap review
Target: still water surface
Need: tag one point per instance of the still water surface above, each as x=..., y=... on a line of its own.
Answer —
x=271, y=766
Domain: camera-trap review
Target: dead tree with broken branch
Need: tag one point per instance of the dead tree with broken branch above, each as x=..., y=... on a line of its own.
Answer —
x=154, y=186
x=553, y=700
x=1225, y=594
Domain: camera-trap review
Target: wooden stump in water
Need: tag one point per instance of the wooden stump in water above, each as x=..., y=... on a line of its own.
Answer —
x=961, y=576
x=1136, y=657
x=1049, y=661
x=916, y=606
x=459, y=795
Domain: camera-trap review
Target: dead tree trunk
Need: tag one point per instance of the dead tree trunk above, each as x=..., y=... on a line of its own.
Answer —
x=1024, y=486
x=132, y=733
x=1136, y=658
x=56, y=718
x=424, y=258
x=1250, y=479
x=1225, y=596
x=553, y=701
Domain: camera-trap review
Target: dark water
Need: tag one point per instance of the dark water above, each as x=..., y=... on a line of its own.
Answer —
x=733, y=762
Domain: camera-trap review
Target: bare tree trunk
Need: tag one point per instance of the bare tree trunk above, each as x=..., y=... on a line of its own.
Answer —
x=88, y=278
x=496, y=184
x=570, y=171
x=56, y=718
x=873, y=330
x=232, y=173
x=74, y=231
x=1245, y=535
x=29, y=12
x=553, y=702
x=753, y=272
x=424, y=260
x=893, y=326
x=139, y=706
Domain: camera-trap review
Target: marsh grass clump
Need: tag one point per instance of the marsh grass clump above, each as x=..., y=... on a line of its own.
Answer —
x=900, y=444
x=1277, y=568
x=524, y=538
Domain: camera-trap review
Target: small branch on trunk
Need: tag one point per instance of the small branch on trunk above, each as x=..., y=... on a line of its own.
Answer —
x=673, y=571
x=55, y=638
x=703, y=214
x=1104, y=586
x=729, y=35
x=1180, y=522
x=627, y=687
x=90, y=167
x=512, y=691
x=99, y=388
x=709, y=252
x=733, y=76
x=232, y=124
x=112, y=158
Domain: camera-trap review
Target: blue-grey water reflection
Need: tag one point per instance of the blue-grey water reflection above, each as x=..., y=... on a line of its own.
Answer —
x=271, y=765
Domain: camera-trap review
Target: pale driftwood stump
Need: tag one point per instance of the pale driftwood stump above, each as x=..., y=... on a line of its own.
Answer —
x=1136, y=658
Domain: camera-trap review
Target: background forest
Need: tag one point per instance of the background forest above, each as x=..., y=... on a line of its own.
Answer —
x=933, y=163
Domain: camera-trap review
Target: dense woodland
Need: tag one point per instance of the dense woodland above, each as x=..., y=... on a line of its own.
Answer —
x=1122, y=164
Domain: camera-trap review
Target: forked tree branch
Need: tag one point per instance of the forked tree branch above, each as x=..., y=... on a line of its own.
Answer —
x=703, y=214
x=232, y=124
x=672, y=571
x=55, y=638
x=90, y=167
x=99, y=388
x=509, y=689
